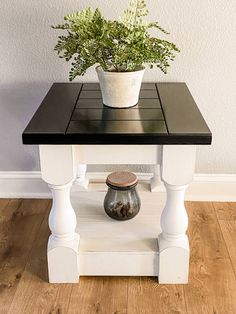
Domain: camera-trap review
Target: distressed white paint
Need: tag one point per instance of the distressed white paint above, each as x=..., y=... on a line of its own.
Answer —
x=63, y=242
x=177, y=169
x=62, y=219
x=63, y=261
x=173, y=261
x=178, y=164
x=203, y=30
x=110, y=247
x=58, y=170
x=117, y=154
x=117, y=263
x=174, y=219
x=57, y=163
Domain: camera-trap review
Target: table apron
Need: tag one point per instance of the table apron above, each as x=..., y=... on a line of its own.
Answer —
x=118, y=154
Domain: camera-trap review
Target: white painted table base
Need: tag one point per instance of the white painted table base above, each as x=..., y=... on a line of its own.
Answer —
x=59, y=167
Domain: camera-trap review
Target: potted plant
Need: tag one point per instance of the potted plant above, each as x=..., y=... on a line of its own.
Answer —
x=120, y=49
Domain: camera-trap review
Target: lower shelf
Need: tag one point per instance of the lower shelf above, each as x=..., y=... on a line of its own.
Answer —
x=117, y=248
x=122, y=257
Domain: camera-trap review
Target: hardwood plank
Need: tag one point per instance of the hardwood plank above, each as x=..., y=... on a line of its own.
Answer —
x=3, y=204
x=7, y=208
x=34, y=294
x=146, y=296
x=62, y=299
x=205, y=236
x=228, y=229
x=225, y=210
x=117, y=300
x=18, y=230
x=226, y=217
x=212, y=284
x=23, y=276
x=5, y=214
x=86, y=297
x=226, y=214
x=104, y=295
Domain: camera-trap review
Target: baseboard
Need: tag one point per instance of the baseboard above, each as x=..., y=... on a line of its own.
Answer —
x=23, y=184
x=205, y=187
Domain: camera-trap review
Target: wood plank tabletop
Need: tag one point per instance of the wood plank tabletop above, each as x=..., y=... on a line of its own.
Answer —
x=73, y=113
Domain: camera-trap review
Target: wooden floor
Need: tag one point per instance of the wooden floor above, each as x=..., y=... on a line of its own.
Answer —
x=23, y=272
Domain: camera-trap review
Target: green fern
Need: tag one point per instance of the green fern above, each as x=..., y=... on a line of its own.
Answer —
x=120, y=46
x=133, y=16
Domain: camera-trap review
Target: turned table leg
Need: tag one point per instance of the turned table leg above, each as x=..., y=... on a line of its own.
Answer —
x=177, y=170
x=59, y=171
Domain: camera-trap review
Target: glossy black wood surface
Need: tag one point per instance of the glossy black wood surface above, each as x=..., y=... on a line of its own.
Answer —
x=54, y=113
x=73, y=113
x=149, y=103
x=181, y=112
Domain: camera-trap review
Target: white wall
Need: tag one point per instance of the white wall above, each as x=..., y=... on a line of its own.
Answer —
x=204, y=30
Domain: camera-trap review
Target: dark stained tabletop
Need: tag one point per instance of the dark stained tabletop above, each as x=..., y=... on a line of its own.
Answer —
x=73, y=113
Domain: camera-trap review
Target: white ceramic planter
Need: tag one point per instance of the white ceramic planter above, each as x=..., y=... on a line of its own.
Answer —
x=120, y=89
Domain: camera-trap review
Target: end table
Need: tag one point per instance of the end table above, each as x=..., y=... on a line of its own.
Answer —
x=73, y=128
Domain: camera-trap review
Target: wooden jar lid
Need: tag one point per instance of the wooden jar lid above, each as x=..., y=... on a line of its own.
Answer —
x=122, y=179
